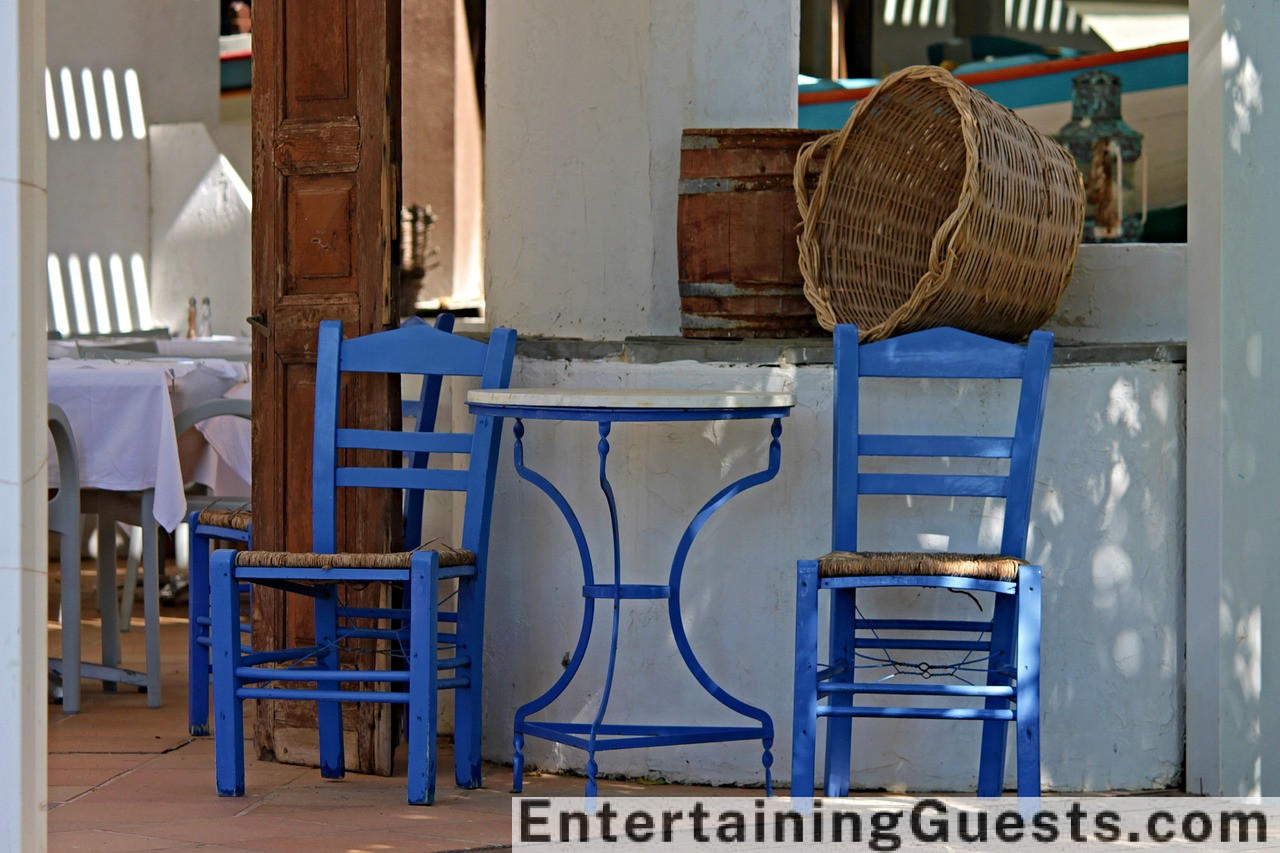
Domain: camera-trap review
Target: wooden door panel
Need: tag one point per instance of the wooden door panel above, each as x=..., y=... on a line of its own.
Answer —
x=317, y=146
x=318, y=42
x=294, y=332
x=319, y=235
x=326, y=202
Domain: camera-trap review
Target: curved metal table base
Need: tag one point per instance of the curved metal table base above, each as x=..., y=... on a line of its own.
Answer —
x=598, y=735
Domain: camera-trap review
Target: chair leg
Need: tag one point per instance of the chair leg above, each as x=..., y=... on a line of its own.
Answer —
x=151, y=596
x=197, y=651
x=804, y=714
x=108, y=607
x=1028, y=660
x=131, y=563
x=995, y=733
x=839, y=729
x=467, y=700
x=329, y=713
x=69, y=560
x=423, y=697
x=517, y=763
x=228, y=733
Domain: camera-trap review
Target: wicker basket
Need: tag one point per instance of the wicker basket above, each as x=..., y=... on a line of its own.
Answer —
x=937, y=207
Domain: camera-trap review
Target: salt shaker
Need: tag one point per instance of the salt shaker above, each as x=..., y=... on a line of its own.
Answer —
x=204, y=323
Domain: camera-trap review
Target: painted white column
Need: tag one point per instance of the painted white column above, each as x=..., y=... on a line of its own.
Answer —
x=1233, y=408
x=585, y=104
x=23, y=487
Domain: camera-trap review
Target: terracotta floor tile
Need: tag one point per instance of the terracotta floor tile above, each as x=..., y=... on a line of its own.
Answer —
x=354, y=842
x=212, y=848
x=234, y=830
x=92, y=811
x=471, y=834
x=65, y=793
x=87, y=776
x=431, y=820
x=97, y=761
x=107, y=841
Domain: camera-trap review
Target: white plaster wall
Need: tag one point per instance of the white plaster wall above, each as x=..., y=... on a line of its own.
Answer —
x=1124, y=293
x=235, y=141
x=1234, y=413
x=98, y=211
x=1109, y=498
x=200, y=230
x=582, y=152
x=1206, y=633
x=23, y=484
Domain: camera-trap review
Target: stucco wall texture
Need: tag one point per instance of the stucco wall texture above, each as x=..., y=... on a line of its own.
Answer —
x=1108, y=508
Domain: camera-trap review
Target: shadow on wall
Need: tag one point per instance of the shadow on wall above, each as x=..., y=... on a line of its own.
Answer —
x=1107, y=527
x=92, y=296
x=98, y=254
x=1115, y=575
x=80, y=113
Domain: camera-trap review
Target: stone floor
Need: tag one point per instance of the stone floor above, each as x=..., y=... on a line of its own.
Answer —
x=123, y=777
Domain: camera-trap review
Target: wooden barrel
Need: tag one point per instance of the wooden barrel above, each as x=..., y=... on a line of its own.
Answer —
x=738, y=261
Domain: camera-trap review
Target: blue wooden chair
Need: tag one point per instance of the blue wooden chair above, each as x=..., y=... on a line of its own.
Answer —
x=985, y=669
x=224, y=521
x=416, y=629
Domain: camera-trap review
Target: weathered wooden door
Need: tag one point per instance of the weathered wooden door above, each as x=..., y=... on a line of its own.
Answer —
x=325, y=207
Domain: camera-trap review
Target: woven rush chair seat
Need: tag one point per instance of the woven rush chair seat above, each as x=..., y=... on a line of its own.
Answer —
x=847, y=564
x=449, y=558
x=936, y=206
x=240, y=518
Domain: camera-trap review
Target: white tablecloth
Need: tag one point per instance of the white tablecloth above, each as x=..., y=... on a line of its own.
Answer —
x=217, y=346
x=220, y=346
x=230, y=440
x=122, y=418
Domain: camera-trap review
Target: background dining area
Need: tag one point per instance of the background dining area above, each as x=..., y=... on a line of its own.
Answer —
x=140, y=438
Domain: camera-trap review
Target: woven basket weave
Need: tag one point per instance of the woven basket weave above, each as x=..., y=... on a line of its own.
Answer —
x=937, y=207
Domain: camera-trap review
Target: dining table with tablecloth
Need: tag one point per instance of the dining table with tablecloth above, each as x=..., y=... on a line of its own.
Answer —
x=133, y=467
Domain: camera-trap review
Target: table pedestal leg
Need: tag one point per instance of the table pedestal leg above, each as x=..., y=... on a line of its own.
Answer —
x=107, y=507
x=588, y=609
x=587, y=736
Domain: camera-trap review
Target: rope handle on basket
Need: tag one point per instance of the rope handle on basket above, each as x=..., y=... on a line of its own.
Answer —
x=800, y=175
x=808, y=262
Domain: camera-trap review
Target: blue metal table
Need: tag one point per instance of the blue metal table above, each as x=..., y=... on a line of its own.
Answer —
x=604, y=408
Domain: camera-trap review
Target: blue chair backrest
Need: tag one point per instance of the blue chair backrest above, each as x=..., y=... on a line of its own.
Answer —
x=412, y=349
x=423, y=411
x=938, y=354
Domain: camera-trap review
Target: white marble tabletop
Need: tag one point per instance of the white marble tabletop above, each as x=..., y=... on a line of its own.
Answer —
x=632, y=398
